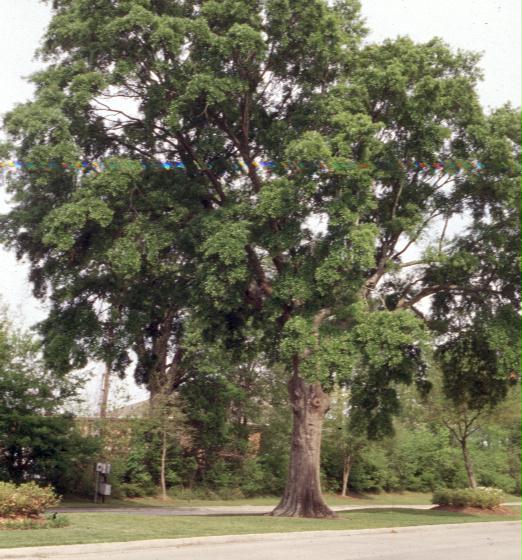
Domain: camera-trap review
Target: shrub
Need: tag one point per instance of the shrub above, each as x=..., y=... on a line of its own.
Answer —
x=26, y=500
x=189, y=494
x=484, y=498
x=56, y=522
x=251, y=477
x=205, y=493
x=219, y=476
x=134, y=490
x=129, y=479
x=231, y=494
x=371, y=472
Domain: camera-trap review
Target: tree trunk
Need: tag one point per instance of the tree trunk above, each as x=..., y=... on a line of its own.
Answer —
x=163, y=466
x=303, y=496
x=469, y=465
x=347, y=465
x=104, y=401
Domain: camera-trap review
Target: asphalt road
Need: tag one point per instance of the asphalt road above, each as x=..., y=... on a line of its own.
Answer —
x=476, y=541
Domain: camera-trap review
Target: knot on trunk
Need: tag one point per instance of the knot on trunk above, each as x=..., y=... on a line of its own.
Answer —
x=316, y=401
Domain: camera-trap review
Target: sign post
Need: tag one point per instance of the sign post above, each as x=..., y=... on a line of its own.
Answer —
x=101, y=486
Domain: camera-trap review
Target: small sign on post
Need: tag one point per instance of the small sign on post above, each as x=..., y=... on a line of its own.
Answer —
x=104, y=489
x=103, y=468
x=101, y=486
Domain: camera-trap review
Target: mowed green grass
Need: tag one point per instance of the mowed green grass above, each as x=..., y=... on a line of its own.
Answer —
x=114, y=527
x=387, y=499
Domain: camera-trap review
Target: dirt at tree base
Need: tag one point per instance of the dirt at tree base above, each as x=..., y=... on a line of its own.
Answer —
x=499, y=510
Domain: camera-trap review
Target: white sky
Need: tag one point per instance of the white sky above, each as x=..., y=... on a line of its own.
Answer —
x=490, y=27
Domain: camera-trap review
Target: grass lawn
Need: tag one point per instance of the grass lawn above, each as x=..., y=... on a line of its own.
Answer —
x=113, y=527
x=388, y=499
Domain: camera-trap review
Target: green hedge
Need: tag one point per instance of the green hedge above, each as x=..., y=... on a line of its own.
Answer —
x=25, y=500
x=484, y=498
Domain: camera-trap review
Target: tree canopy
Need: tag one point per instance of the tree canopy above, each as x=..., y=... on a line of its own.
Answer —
x=307, y=262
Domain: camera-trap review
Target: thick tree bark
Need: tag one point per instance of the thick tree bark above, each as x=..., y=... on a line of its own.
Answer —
x=303, y=496
x=347, y=465
x=469, y=465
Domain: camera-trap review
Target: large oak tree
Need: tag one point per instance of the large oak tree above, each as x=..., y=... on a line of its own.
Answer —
x=305, y=260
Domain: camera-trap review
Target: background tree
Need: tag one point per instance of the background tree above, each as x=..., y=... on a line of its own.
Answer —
x=38, y=439
x=167, y=422
x=478, y=366
x=508, y=443
x=343, y=442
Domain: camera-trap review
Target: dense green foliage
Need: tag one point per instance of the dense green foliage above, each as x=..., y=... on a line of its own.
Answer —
x=231, y=441
x=421, y=456
x=38, y=440
x=223, y=254
x=424, y=453
x=484, y=498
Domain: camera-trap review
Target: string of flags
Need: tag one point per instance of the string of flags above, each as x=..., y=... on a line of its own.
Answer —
x=449, y=166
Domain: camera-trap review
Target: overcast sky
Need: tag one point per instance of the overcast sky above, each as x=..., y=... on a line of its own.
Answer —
x=490, y=27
